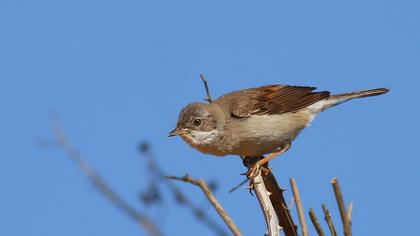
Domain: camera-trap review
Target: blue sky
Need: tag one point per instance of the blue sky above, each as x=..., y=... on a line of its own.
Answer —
x=118, y=72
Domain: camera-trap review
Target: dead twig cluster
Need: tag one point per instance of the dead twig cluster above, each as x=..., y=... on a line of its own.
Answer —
x=276, y=213
x=345, y=214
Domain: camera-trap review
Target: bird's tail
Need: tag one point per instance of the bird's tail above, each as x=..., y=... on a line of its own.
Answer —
x=359, y=94
x=334, y=100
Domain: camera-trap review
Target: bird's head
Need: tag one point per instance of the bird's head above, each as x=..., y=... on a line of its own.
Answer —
x=199, y=124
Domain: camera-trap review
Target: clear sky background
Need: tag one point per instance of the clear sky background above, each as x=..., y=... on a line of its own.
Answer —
x=118, y=72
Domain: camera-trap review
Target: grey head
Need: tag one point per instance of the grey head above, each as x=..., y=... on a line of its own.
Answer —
x=199, y=124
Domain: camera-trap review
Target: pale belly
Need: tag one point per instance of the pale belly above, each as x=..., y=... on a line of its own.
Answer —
x=269, y=133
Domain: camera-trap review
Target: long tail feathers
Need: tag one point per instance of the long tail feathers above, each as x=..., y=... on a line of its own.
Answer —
x=359, y=94
x=334, y=100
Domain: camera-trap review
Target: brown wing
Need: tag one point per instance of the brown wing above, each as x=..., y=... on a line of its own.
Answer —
x=271, y=99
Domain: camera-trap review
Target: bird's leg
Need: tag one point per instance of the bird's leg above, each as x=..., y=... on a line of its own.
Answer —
x=253, y=171
x=248, y=162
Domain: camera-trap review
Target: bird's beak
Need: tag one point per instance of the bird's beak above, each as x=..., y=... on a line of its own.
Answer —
x=177, y=131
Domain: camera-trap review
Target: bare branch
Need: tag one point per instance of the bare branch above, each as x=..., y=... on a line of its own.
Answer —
x=341, y=207
x=264, y=199
x=208, y=193
x=315, y=222
x=328, y=219
x=206, y=86
x=299, y=207
x=279, y=203
x=276, y=196
x=100, y=184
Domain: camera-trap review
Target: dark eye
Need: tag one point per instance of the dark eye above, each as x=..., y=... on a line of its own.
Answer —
x=197, y=122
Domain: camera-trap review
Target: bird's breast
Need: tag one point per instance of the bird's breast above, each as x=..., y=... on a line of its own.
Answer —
x=259, y=135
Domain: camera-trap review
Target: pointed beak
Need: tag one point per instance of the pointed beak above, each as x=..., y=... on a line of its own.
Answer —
x=177, y=131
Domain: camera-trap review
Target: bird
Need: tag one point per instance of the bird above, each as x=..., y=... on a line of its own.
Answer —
x=257, y=121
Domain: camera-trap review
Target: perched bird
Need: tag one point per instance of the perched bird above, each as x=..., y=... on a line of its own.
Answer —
x=256, y=121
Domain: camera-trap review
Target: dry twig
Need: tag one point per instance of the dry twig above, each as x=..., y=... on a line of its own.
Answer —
x=265, y=196
x=238, y=186
x=179, y=196
x=315, y=222
x=299, y=207
x=341, y=207
x=208, y=193
x=100, y=184
x=328, y=219
x=206, y=86
x=276, y=197
x=267, y=208
x=279, y=204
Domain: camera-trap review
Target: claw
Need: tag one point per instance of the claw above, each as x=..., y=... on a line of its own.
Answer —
x=250, y=187
x=254, y=171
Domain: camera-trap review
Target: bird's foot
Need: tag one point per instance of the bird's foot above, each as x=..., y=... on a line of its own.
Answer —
x=253, y=172
x=255, y=166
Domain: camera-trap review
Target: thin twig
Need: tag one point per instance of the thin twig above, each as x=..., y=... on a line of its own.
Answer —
x=180, y=197
x=315, y=222
x=206, y=85
x=350, y=211
x=208, y=193
x=238, y=186
x=328, y=219
x=267, y=208
x=341, y=207
x=299, y=207
x=100, y=184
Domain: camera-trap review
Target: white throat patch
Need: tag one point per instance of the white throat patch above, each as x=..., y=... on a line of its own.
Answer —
x=203, y=137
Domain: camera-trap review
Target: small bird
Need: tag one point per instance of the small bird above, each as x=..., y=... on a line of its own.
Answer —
x=256, y=121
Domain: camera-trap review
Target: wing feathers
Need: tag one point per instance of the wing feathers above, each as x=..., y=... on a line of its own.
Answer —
x=271, y=99
x=288, y=99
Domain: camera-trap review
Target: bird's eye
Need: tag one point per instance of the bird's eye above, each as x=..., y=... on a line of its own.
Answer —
x=197, y=122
